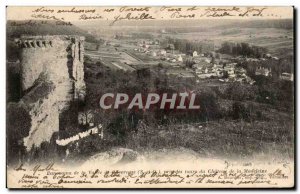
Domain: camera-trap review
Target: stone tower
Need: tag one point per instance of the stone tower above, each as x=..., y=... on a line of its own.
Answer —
x=52, y=76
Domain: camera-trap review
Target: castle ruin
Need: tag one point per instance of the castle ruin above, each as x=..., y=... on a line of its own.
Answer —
x=52, y=76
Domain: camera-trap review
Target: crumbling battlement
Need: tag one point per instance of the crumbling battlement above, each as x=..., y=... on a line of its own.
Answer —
x=52, y=75
x=49, y=55
x=33, y=43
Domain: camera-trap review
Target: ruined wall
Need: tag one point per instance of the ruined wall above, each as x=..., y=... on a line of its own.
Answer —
x=51, y=77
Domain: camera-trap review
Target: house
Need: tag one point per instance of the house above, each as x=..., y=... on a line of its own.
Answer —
x=153, y=54
x=230, y=70
x=142, y=50
x=163, y=52
x=146, y=46
x=241, y=71
x=287, y=76
x=195, y=54
x=218, y=70
x=263, y=71
x=231, y=75
x=205, y=70
x=179, y=58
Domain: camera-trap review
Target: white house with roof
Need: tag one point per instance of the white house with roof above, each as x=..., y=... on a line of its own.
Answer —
x=195, y=54
x=287, y=76
x=179, y=58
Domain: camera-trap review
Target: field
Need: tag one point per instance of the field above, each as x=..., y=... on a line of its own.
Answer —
x=276, y=35
x=279, y=42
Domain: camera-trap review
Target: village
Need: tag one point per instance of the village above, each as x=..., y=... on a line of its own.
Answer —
x=129, y=55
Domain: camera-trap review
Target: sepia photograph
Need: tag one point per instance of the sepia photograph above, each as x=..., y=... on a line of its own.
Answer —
x=150, y=97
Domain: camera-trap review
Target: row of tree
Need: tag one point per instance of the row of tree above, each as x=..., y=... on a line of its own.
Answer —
x=186, y=46
x=243, y=49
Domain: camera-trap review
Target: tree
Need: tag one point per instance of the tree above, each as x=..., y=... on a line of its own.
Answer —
x=243, y=49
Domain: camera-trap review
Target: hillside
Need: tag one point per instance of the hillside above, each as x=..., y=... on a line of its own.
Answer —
x=16, y=29
x=200, y=23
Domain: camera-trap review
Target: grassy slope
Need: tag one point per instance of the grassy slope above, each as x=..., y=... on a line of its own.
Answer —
x=279, y=42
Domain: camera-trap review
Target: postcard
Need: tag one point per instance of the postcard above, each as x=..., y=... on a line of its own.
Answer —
x=150, y=97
